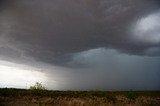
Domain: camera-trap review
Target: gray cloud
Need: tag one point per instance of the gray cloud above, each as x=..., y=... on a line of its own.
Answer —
x=119, y=38
x=49, y=30
x=109, y=70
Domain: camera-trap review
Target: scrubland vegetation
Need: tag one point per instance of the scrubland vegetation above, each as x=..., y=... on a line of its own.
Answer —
x=43, y=97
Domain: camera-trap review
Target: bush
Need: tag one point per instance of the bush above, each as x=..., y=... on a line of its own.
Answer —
x=37, y=86
x=132, y=95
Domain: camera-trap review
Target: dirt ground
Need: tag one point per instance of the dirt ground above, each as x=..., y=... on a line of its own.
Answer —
x=83, y=101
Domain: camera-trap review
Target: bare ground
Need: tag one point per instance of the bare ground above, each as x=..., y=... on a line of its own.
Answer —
x=83, y=101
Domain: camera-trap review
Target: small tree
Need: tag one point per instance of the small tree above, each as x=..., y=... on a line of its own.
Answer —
x=37, y=86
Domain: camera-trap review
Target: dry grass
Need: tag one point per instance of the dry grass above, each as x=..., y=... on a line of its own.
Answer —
x=15, y=97
x=85, y=101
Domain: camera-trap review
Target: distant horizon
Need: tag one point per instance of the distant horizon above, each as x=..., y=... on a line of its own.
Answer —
x=77, y=90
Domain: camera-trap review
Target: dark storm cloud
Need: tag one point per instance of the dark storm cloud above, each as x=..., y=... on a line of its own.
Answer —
x=51, y=30
x=106, y=44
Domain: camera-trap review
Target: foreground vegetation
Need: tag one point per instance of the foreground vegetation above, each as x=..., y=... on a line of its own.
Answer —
x=32, y=97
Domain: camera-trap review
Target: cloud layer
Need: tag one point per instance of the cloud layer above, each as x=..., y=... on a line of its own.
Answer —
x=50, y=30
x=110, y=39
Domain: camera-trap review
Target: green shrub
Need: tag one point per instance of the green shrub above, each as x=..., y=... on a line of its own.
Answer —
x=37, y=86
x=131, y=95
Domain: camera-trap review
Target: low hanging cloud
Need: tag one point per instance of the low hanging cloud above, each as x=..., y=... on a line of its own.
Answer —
x=109, y=70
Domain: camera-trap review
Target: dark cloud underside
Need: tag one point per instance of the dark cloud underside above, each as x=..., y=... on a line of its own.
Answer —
x=48, y=30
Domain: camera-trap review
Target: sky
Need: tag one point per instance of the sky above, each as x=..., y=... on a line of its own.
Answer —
x=80, y=44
